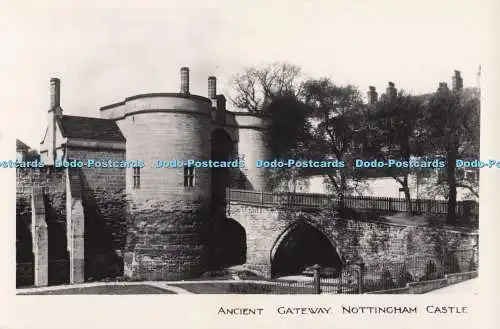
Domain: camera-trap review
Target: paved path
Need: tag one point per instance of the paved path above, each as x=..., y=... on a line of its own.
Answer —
x=467, y=287
x=157, y=284
x=167, y=285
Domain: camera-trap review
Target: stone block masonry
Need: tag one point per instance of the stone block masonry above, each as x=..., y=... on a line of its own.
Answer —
x=356, y=241
x=169, y=219
x=75, y=227
x=104, y=200
x=96, y=199
x=52, y=182
x=40, y=238
x=48, y=205
x=167, y=240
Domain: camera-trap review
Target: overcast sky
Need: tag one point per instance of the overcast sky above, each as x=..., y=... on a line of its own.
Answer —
x=104, y=52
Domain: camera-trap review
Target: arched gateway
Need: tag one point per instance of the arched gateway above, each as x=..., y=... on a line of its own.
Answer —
x=301, y=245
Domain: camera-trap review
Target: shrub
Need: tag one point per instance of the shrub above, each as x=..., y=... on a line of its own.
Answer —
x=472, y=265
x=249, y=288
x=386, y=281
x=430, y=272
x=404, y=277
x=214, y=274
x=247, y=274
x=452, y=264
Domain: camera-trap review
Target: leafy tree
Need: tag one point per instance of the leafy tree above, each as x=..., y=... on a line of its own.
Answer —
x=337, y=118
x=289, y=135
x=453, y=132
x=395, y=131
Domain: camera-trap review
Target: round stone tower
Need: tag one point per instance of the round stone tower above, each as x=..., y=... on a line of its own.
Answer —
x=169, y=216
x=252, y=130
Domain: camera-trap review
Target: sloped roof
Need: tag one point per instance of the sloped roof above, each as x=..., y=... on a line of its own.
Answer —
x=90, y=128
x=21, y=146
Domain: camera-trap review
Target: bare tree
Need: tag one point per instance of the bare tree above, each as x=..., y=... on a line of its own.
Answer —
x=255, y=88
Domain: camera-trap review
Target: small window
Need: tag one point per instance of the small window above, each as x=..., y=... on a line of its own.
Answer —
x=137, y=178
x=441, y=175
x=471, y=176
x=188, y=176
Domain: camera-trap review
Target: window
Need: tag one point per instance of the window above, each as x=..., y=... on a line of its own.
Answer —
x=472, y=176
x=188, y=176
x=137, y=178
x=441, y=175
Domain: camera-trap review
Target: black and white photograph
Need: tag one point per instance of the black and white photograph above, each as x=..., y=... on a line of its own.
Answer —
x=291, y=148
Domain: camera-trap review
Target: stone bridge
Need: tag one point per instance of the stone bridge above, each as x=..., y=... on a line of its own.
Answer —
x=275, y=240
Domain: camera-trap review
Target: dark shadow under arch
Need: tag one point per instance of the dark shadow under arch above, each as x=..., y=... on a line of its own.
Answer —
x=55, y=217
x=302, y=245
x=233, y=243
x=221, y=150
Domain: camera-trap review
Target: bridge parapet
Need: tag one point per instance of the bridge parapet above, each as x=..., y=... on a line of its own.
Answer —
x=363, y=203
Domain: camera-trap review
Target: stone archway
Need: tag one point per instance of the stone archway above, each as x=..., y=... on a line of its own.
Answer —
x=301, y=245
x=233, y=243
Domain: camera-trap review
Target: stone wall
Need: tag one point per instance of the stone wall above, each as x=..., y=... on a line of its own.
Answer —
x=105, y=205
x=168, y=239
x=168, y=137
x=356, y=241
x=169, y=231
x=253, y=146
x=53, y=182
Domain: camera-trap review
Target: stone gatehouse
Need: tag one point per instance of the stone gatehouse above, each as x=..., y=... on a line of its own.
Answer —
x=139, y=217
x=143, y=222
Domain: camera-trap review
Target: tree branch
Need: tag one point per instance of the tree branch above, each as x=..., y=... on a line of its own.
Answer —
x=470, y=188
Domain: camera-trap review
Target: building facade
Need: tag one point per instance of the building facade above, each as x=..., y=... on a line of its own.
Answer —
x=172, y=213
x=117, y=197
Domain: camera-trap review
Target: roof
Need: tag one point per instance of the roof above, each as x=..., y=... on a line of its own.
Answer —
x=90, y=128
x=150, y=95
x=21, y=146
x=467, y=92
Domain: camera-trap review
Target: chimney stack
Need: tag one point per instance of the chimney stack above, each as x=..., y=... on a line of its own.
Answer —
x=372, y=95
x=55, y=93
x=392, y=92
x=458, y=82
x=212, y=87
x=185, y=80
x=443, y=87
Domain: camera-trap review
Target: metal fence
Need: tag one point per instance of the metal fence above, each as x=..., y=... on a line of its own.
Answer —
x=322, y=201
x=388, y=275
x=352, y=279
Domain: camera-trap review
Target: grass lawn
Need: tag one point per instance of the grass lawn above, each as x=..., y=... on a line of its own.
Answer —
x=243, y=288
x=106, y=290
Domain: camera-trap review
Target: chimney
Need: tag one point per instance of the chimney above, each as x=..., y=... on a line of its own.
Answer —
x=392, y=92
x=212, y=87
x=185, y=80
x=55, y=112
x=458, y=82
x=443, y=86
x=372, y=95
x=55, y=93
